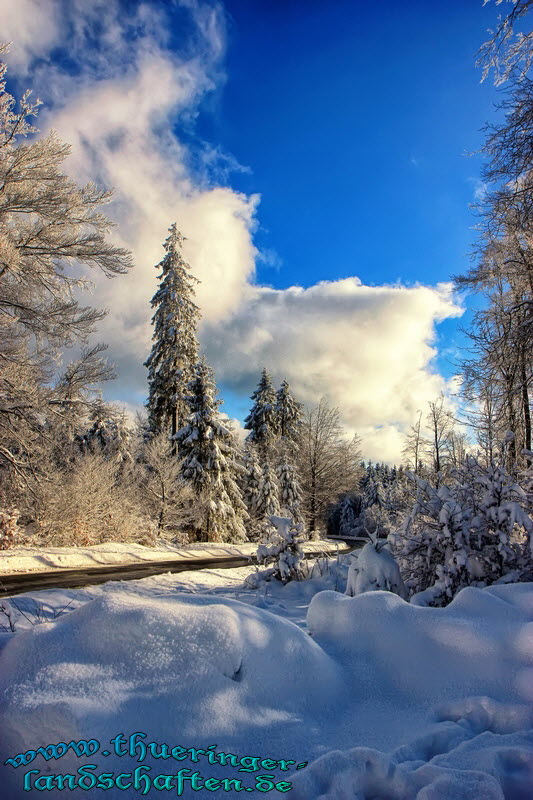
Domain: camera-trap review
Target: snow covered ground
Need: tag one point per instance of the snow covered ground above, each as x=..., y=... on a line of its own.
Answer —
x=40, y=559
x=380, y=699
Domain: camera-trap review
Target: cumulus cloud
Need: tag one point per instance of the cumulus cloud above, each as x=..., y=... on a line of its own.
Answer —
x=366, y=348
x=122, y=106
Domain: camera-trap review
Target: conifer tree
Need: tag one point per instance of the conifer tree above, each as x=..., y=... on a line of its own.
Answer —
x=262, y=420
x=289, y=416
x=210, y=457
x=175, y=349
x=108, y=435
x=250, y=479
x=268, y=499
x=350, y=511
x=374, y=484
x=290, y=493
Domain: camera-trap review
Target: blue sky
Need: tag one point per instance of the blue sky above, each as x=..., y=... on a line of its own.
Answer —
x=355, y=120
x=316, y=156
x=360, y=125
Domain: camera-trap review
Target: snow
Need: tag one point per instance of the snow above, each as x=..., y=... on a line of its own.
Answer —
x=372, y=569
x=384, y=699
x=40, y=559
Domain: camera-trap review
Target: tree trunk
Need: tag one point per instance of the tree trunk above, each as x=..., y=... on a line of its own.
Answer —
x=174, y=448
x=525, y=404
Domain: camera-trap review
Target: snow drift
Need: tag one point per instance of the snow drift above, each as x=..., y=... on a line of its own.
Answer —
x=388, y=701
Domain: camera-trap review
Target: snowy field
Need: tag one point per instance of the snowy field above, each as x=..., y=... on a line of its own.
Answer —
x=382, y=700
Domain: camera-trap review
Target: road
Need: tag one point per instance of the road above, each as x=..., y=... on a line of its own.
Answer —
x=17, y=583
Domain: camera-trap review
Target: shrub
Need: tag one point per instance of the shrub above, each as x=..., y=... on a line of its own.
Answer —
x=473, y=533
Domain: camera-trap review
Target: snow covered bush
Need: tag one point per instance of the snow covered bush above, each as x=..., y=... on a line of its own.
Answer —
x=10, y=533
x=283, y=551
x=374, y=568
x=161, y=491
x=86, y=505
x=472, y=533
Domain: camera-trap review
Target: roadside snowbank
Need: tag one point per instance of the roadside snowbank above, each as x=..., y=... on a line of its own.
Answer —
x=40, y=559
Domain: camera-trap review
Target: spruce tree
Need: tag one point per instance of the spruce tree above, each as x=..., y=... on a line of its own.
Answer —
x=209, y=452
x=108, y=435
x=290, y=493
x=250, y=479
x=348, y=517
x=262, y=420
x=289, y=416
x=175, y=349
x=268, y=498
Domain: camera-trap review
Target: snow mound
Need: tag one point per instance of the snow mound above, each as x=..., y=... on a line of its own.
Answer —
x=468, y=767
x=372, y=570
x=187, y=670
x=481, y=643
x=167, y=642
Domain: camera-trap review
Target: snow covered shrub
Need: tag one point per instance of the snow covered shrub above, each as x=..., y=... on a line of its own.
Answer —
x=374, y=568
x=86, y=505
x=284, y=551
x=160, y=490
x=471, y=533
x=10, y=533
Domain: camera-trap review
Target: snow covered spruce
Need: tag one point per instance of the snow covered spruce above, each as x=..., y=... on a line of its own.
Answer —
x=209, y=460
x=175, y=349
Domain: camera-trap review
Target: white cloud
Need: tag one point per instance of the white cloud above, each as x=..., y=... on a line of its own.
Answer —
x=479, y=188
x=31, y=26
x=236, y=426
x=368, y=348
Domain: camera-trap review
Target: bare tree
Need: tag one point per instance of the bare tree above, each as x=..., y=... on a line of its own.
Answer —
x=457, y=446
x=166, y=496
x=508, y=51
x=499, y=370
x=414, y=445
x=440, y=422
x=499, y=374
x=328, y=462
x=50, y=228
